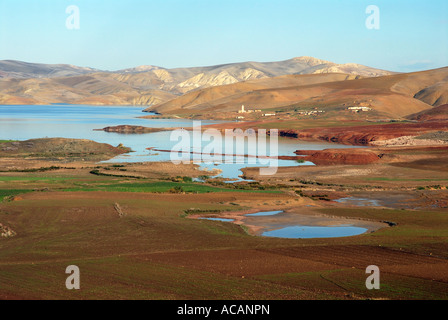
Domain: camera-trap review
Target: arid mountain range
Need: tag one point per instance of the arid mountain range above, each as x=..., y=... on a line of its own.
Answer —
x=29, y=83
x=297, y=84
x=390, y=96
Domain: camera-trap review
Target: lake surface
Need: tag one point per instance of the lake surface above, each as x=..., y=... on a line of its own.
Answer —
x=79, y=122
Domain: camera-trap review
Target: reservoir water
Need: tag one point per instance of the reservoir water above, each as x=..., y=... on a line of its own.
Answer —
x=80, y=121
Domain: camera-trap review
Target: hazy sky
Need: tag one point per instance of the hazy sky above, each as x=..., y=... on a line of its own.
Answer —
x=114, y=34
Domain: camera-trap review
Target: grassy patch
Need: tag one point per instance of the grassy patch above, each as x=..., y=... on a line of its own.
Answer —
x=28, y=178
x=98, y=173
x=162, y=187
x=42, y=169
x=4, y=194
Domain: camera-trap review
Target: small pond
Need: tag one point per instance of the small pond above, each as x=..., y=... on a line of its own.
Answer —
x=310, y=232
x=218, y=219
x=280, y=224
x=263, y=214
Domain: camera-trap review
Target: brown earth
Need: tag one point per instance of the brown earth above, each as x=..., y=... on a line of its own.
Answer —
x=154, y=253
x=435, y=114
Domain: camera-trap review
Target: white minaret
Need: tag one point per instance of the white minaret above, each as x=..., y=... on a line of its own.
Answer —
x=242, y=109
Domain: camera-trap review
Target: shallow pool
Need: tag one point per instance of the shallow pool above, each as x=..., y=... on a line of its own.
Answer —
x=263, y=214
x=280, y=224
x=311, y=232
x=218, y=219
x=360, y=202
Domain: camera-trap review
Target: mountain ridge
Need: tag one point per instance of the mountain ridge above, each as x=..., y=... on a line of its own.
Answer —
x=390, y=96
x=146, y=85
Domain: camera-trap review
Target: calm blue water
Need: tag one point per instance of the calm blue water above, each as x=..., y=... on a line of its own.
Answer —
x=308, y=232
x=79, y=121
x=218, y=219
x=263, y=214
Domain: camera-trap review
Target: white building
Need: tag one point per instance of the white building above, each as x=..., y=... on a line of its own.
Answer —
x=243, y=110
x=357, y=109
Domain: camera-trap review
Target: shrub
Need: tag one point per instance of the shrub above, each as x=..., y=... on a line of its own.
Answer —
x=176, y=189
x=187, y=179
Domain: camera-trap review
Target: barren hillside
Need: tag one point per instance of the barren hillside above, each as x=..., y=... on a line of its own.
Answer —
x=396, y=95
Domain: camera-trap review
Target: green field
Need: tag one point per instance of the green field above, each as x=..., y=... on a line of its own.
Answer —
x=162, y=187
x=8, y=193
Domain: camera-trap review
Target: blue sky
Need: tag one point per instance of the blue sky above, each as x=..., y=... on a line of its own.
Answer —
x=113, y=35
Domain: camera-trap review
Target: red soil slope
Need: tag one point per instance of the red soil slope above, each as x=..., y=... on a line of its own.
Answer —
x=338, y=156
x=363, y=135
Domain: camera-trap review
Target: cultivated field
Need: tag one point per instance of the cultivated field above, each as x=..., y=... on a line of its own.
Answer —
x=152, y=249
